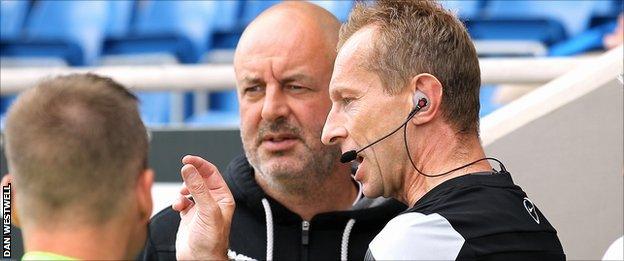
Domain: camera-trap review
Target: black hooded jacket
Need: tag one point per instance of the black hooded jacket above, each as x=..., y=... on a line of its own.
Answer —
x=264, y=229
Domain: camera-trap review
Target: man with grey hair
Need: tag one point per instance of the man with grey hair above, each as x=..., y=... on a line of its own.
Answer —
x=294, y=200
x=410, y=65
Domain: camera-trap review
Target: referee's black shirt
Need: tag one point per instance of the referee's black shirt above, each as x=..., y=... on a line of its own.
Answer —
x=480, y=216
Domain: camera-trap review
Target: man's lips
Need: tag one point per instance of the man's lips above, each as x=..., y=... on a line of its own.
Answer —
x=278, y=137
x=279, y=142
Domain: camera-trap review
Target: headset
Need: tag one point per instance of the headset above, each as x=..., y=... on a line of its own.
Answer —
x=421, y=103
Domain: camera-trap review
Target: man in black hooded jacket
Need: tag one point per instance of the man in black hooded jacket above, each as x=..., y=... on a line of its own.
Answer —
x=294, y=200
x=327, y=236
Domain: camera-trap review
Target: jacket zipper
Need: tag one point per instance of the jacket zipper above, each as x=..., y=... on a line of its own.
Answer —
x=305, y=239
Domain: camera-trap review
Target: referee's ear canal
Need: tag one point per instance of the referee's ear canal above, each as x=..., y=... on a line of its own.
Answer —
x=420, y=100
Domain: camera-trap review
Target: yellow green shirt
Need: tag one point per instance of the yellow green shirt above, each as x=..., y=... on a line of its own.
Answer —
x=40, y=255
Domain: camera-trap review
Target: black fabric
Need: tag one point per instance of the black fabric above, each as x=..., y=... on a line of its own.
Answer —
x=248, y=231
x=489, y=212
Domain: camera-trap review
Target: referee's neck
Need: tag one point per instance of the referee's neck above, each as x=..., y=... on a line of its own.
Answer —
x=439, y=156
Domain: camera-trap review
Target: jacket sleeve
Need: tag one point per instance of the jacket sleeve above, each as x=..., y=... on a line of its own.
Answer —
x=415, y=236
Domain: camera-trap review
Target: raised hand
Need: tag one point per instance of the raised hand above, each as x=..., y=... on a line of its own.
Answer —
x=205, y=226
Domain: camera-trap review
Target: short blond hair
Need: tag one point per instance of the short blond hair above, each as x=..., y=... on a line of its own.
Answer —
x=417, y=36
x=75, y=145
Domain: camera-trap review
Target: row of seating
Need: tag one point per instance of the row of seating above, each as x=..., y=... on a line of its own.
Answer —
x=91, y=33
x=80, y=32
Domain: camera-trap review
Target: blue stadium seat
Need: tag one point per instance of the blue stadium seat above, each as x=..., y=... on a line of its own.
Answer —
x=606, y=11
x=226, y=101
x=573, y=15
x=154, y=107
x=71, y=30
x=340, y=9
x=253, y=8
x=229, y=12
x=583, y=42
x=228, y=28
x=181, y=28
x=119, y=18
x=12, y=18
x=234, y=16
x=541, y=30
x=465, y=9
x=544, y=21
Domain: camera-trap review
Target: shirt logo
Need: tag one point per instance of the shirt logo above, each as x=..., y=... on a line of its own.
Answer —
x=530, y=207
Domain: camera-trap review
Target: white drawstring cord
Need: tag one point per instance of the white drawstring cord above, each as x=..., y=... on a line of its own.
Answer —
x=344, y=247
x=232, y=255
x=269, y=229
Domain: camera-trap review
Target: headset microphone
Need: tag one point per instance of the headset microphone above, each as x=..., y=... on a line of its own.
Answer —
x=418, y=105
x=420, y=102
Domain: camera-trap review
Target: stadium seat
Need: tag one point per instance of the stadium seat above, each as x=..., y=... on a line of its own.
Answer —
x=180, y=28
x=70, y=30
x=545, y=21
x=154, y=107
x=234, y=16
x=253, y=8
x=573, y=15
x=227, y=29
x=229, y=12
x=163, y=32
x=606, y=11
x=545, y=31
x=119, y=20
x=12, y=18
x=584, y=42
x=465, y=9
x=224, y=101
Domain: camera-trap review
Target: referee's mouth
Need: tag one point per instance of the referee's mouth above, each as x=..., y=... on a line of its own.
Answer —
x=361, y=169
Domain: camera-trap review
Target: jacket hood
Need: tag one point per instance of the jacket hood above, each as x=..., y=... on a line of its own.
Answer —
x=239, y=176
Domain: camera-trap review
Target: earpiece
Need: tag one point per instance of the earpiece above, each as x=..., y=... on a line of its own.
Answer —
x=420, y=101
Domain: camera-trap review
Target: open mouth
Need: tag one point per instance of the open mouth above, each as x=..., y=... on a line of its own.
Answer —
x=359, y=172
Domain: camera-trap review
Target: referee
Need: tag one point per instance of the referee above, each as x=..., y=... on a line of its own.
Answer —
x=405, y=106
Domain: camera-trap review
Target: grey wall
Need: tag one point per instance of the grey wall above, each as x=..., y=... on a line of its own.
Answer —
x=167, y=147
x=570, y=162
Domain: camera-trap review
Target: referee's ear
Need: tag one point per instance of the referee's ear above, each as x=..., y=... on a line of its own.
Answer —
x=6, y=181
x=431, y=88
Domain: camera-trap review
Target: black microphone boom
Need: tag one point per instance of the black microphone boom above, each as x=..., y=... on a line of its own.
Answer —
x=348, y=156
x=352, y=154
